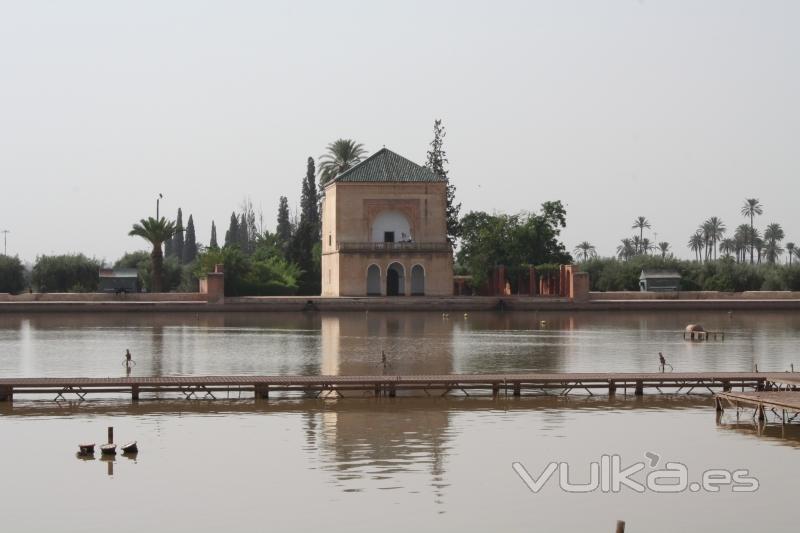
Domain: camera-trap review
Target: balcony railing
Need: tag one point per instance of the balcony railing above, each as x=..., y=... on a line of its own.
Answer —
x=392, y=247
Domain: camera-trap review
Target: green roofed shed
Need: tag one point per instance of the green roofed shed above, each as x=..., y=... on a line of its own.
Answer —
x=659, y=281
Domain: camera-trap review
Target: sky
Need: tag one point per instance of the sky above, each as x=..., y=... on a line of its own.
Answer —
x=674, y=110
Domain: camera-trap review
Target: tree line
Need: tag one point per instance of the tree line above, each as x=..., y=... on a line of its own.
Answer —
x=258, y=261
x=286, y=261
x=748, y=259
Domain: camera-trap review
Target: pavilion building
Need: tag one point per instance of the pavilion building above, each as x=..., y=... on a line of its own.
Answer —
x=384, y=231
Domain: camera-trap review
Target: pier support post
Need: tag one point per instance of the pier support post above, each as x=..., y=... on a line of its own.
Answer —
x=111, y=434
x=612, y=388
x=262, y=391
x=761, y=414
x=639, y=390
x=718, y=404
x=517, y=389
x=392, y=391
x=135, y=393
x=726, y=386
x=620, y=526
x=6, y=394
x=495, y=390
x=377, y=389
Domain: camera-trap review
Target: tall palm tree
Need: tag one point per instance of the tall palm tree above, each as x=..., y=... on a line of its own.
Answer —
x=664, y=247
x=696, y=244
x=751, y=208
x=647, y=246
x=758, y=245
x=341, y=155
x=705, y=231
x=716, y=230
x=585, y=250
x=727, y=247
x=626, y=249
x=742, y=237
x=156, y=232
x=641, y=223
x=773, y=235
x=790, y=249
x=771, y=251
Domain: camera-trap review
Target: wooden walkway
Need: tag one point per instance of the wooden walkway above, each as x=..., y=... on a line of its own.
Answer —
x=385, y=385
x=783, y=404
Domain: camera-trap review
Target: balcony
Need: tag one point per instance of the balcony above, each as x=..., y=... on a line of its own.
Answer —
x=377, y=247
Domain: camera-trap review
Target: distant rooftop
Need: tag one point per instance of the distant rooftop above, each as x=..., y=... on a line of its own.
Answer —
x=387, y=166
x=119, y=273
x=650, y=274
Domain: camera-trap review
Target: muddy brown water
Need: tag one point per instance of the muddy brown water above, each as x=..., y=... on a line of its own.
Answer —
x=396, y=464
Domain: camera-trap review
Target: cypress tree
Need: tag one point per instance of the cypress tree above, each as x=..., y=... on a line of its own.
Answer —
x=309, y=204
x=436, y=162
x=213, y=243
x=307, y=235
x=190, y=243
x=284, y=228
x=177, y=242
x=232, y=235
x=244, y=234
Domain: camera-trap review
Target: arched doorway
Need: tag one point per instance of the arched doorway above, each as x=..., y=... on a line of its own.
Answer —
x=395, y=280
x=373, y=280
x=417, y=280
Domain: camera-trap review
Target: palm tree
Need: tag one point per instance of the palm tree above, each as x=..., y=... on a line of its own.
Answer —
x=773, y=235
x=585, y=250
x=641, y=223
x=636, y=242
x=156, y=232
x=625, y=250
x=715, y=229
x=758, y=245
x=771, y=251
x=790, y=249
x=705, y=230
x=742, y=237
x=664, y=247
x=696, y=243
x=647, y=246
x=751, y=208
x=342, y=154
x=727, y=247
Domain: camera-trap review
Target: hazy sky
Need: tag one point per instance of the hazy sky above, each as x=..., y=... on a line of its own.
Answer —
x=675, y=110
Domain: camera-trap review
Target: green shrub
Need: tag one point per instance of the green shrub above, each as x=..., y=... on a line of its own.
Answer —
x=66, y=273
x=12, y=274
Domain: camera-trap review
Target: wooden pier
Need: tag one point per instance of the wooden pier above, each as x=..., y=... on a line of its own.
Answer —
x=497, y=385
x=784, y=405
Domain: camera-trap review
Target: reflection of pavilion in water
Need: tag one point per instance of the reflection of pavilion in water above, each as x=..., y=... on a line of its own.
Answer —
x=382, y=439
x=414, y=343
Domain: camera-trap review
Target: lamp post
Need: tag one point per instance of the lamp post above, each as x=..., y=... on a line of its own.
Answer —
x=160, y=196
x=5, y=233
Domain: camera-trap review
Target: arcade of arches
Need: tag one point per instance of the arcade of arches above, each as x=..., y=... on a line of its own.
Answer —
x=392, y=280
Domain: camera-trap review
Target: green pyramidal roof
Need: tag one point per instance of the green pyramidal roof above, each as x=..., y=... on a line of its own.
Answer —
x=386, y=166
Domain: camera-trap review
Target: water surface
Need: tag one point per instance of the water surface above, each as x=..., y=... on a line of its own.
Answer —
x=396, y=464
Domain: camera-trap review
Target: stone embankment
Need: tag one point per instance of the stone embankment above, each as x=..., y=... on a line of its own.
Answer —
x=200, y=302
